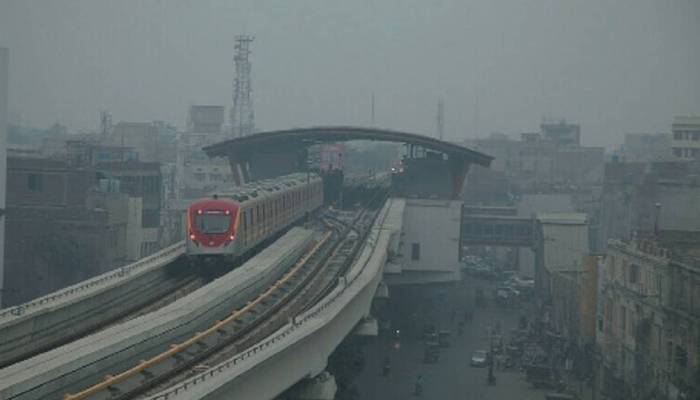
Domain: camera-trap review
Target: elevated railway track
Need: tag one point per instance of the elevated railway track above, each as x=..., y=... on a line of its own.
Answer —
x=263, y=313
x=313, y=276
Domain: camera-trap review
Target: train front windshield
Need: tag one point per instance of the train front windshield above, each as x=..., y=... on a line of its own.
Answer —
x=213, y=222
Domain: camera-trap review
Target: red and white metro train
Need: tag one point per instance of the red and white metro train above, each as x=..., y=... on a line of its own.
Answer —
x=228, y=224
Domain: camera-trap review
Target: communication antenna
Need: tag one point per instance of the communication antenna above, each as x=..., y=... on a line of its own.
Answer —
x=105, y=123
x=242, y=114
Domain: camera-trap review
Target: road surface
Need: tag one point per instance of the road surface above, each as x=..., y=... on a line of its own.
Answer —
x=451, y=377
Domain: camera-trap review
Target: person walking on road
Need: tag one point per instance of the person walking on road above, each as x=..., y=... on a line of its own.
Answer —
x=418, y=389
x=386, y=368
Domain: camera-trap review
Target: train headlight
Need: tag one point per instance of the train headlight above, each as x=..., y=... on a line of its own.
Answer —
x=232, y=237
x=192, y=236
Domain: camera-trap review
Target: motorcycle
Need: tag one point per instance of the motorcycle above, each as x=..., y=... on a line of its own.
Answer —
x=418, y=389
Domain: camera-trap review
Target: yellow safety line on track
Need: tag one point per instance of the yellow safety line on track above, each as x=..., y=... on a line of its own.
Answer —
x=178, y=348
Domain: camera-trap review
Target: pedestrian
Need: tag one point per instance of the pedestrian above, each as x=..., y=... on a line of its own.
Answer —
x=418, y=390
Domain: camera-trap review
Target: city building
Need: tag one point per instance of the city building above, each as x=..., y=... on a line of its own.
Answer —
x=3, y=162
x=528, y=206
x=686, y=137
x=573, y=313
x=646, y=147
x=648, y=197
x=203, y=176
x=206, y=119
x=142, y=137
x=141, y=180
x=648, y=329
x=59, y=236
x=543, y=162
x=89, y=151
x=564, y=244
x=561, y=133
x=580, y=167
x=430, y=230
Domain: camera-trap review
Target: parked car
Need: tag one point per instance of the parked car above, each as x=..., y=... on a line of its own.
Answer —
x=480, y=358
x=539, y=375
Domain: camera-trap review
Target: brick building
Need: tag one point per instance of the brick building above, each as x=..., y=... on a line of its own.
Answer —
x=141, y=180
x=649, y=322
x=54, y=237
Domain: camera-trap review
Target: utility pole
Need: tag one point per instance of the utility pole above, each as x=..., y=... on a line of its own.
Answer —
x=476, y=114
x=242, y=114
x=105, y=123
x=440, y=119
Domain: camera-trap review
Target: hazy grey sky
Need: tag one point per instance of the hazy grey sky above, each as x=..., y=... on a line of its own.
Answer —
x=614, y=66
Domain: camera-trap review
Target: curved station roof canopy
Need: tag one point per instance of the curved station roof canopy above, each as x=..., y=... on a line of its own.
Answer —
x=242, y=146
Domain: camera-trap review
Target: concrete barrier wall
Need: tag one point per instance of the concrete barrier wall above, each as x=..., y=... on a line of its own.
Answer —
x=82, y=363
x=300, y=349
x=56, y=317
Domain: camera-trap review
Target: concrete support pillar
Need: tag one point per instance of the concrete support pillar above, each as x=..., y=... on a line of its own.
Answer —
x=382, y=291
x=4, y=68
x=367, y=327
x=322, y=387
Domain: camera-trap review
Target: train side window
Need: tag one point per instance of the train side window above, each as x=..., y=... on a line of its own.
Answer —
x=245, y=220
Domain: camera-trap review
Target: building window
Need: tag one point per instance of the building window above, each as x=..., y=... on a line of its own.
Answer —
x=200, y=176
x=696, y=136
x=677, y=152
x=150, y=218
x=634, y=273
x=34, y=182
x=677, y=135
x=415, y=251
x=681, y=356
x=623, y=322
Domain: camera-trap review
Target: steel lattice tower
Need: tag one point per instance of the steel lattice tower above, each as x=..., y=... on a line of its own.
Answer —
x=242, y=114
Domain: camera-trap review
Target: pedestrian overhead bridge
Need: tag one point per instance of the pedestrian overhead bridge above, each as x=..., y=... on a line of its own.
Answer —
x=497, y=226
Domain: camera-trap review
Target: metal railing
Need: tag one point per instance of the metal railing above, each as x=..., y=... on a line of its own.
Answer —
x=117, y=273
x=343, y=284
x=218, y=325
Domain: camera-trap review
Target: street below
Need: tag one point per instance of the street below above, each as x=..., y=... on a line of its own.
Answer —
x=451, y=377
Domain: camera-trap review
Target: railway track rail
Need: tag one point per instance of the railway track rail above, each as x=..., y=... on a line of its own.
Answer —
x=301, y=286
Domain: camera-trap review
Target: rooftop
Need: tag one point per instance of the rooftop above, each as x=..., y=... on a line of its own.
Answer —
x=686, y=120
x=565, y=218
x=247, y=144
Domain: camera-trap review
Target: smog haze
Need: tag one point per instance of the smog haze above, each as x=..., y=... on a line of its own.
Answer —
x=612, y=66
